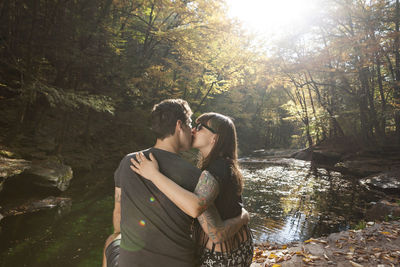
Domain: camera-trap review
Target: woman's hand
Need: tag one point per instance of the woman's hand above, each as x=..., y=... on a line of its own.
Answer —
x=245, y=216
x=144, y=167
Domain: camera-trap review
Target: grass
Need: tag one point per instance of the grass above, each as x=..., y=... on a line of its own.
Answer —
x=361, y=225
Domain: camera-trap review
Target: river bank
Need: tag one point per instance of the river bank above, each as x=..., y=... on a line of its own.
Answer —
x=289, y=200
x=376, y=245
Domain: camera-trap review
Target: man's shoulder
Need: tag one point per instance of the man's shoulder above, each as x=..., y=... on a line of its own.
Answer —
x=133, y=154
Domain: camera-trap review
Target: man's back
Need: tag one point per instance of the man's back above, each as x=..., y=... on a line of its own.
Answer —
x=155, y=231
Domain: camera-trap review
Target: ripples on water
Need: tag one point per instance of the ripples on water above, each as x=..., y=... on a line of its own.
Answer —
x=289, y=200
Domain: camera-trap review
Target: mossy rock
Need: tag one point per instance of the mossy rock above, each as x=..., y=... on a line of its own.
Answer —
x=51, y=173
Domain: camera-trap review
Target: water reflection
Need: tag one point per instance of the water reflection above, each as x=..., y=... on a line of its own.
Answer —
x=291, y=200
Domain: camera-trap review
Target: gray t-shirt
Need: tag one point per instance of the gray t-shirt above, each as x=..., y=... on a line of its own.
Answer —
x=154, y=230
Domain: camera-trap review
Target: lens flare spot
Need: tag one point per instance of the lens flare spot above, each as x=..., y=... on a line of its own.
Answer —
x=152, y=199
x=142, y=223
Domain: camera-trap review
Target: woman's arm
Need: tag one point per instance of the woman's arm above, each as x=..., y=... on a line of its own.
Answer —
x=216, y=229
x=193, y=204
x=200, y=202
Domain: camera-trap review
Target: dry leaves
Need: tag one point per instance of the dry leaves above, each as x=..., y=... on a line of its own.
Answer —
x=378, y=244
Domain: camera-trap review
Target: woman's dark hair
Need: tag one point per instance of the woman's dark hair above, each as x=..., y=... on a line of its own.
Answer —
x=225, y=145
x=165, y=115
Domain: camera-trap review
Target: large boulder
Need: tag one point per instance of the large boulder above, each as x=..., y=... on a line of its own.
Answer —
x=323, y=157
x=50, y=173
x=11, y=167
x=304, y=154
x=386, y=181
x=365, y=166
x=318, y=156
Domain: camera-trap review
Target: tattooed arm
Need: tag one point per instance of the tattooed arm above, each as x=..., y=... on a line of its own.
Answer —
x=217, y=230
x=117, y=211
x=192, y=203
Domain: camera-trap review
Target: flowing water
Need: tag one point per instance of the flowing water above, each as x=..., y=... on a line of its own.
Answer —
x=288, y=200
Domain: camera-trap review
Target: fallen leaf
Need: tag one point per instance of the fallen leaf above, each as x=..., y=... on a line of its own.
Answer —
x=312, y=257
x=272, y=256
x=356, y=264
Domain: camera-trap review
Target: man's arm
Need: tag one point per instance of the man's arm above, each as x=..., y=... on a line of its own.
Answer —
x=117, y=211
x=116, y=223
x=216, y=229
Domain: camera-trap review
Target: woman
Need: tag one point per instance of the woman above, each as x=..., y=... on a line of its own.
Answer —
x=215, y=138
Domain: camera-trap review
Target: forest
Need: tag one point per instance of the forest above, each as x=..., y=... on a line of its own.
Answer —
x=83, y=75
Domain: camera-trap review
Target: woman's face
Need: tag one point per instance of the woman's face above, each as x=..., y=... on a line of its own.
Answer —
x=203, y=138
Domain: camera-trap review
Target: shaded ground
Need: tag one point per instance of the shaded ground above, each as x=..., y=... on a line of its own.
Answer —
x=376, y=245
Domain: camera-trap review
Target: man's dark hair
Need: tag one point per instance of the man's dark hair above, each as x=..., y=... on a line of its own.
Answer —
x=165, y=115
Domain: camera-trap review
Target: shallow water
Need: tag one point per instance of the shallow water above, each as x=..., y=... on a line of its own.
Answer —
x=288, y=201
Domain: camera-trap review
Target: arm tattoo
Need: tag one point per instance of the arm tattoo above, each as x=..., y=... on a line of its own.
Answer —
x=212, y=224
x=117, y=196
x=207, y=190
x=216, y=229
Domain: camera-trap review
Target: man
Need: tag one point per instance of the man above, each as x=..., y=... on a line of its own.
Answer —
x=154, y=230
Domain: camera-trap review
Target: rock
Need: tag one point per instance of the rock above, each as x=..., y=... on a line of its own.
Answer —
x=386, y=181
x=317, y=156
x=50, y=173
x=315, y=249
x=10, y=167
x=305, y=154
x=365, y=167
x=273, y=152
x=47, y=203
x=382, y=211
x=51, y=202
x=325, y=157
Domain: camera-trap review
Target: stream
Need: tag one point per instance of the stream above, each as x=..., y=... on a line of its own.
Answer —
x=289, y=200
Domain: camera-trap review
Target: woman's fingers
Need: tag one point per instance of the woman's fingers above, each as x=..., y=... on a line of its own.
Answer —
x=134, y=169
x=134, y=166
x=142, y=157
x=135, y=162
x=152, y=158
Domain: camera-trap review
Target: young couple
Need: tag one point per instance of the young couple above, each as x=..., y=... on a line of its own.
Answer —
x=158, y=194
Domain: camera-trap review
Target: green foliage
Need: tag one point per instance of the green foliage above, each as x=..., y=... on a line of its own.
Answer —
x=361, y=225
x=74, y=100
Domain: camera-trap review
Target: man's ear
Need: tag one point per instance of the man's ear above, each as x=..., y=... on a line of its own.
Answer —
x=178, y=126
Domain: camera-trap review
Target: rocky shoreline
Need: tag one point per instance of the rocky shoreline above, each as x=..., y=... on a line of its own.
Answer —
x=47, y=173
x=376, y=245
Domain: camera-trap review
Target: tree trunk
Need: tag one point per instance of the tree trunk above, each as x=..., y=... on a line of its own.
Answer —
x=396, y=94
x=382, y=119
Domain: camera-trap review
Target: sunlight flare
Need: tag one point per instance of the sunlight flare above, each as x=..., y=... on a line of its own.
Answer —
x=271, y=16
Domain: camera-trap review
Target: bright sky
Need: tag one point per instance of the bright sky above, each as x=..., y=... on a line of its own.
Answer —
x=268, y=17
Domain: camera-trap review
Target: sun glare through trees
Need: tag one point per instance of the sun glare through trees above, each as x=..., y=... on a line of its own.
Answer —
x=269, y=17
